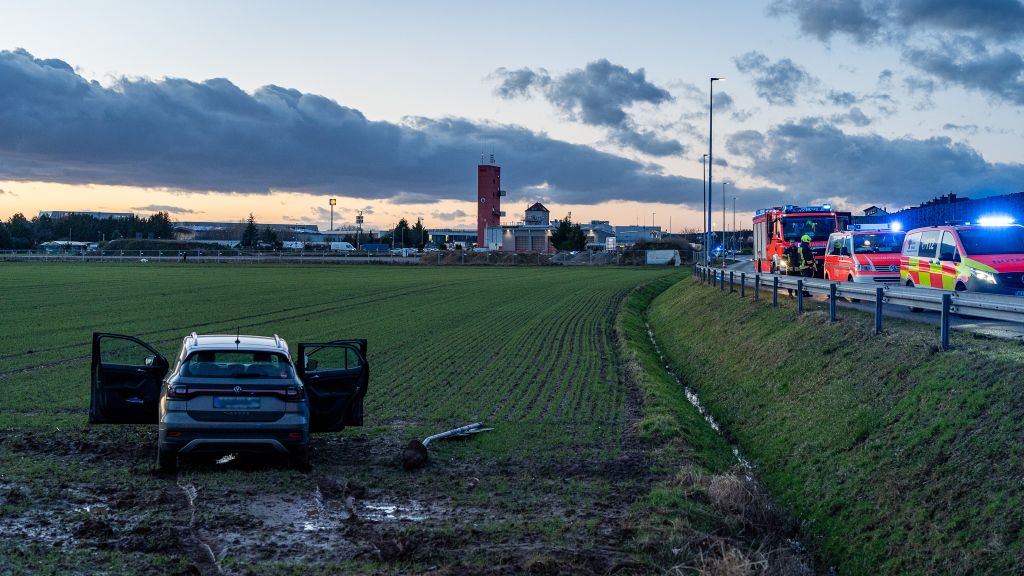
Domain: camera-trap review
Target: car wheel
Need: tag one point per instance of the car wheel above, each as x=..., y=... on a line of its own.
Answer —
x=961, y=287
x=910, y=284
x=166, y=460
x=299, y=459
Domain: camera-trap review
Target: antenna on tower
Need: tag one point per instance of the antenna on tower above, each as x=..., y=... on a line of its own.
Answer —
x=492, y=157
x=481, y=157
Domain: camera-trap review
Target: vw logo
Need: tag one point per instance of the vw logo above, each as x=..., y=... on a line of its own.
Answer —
x=894, y=268
x=237, y=389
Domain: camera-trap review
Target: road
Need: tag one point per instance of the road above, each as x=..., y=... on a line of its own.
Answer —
x=993, y=328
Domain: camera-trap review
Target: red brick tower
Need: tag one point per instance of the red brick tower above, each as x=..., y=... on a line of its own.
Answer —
x=488, y=199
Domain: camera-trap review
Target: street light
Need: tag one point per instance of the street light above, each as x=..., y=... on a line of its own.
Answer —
x=704, y=174
x=711, y=158
x=332, y=202
x=734, y=224
x=723, y=222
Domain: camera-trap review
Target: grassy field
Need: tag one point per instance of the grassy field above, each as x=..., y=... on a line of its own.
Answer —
x=561, y=484
x=899, y=458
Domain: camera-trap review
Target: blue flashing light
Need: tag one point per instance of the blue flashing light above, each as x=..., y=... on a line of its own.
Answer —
x=826, y=206
x=995, y=220
x=896, y=226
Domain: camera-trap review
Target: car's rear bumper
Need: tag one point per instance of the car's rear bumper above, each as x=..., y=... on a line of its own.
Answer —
x=184, y=435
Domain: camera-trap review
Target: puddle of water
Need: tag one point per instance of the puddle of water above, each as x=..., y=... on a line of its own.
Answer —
x=411, y=511
x=693, y=399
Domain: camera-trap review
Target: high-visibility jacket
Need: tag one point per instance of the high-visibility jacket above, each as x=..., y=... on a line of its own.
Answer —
x=806, y=257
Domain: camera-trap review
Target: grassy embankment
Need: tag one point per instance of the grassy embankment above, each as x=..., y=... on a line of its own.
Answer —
x=899, y=458
x=703, y=515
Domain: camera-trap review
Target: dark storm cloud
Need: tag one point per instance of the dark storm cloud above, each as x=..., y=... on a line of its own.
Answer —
x=777, y=82
x=211, y=136
x=597, y=95
x=449, y=216
x=826, y=18
x=1000, y=74
x=164, y=208
x=970, y=43
x=813, y=160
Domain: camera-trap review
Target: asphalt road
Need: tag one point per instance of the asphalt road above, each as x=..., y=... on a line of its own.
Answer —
x=994, y=328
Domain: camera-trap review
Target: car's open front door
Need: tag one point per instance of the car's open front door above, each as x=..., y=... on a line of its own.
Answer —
x=126, y=377
x=335, y=375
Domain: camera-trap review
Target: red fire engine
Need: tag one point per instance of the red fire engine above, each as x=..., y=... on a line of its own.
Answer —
x=776, y=228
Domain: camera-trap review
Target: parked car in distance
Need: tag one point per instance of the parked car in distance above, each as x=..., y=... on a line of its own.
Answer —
x=229, y=393
x=864, y=253
x=979, y=258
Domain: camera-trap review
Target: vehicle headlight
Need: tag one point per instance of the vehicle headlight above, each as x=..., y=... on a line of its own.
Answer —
x=865, y=268
x=983, y=276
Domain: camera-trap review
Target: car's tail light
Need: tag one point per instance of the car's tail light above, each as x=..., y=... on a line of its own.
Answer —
x=293, y=393
x=295, y=435
x=177, y=391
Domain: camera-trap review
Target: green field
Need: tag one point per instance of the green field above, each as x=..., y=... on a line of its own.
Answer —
x=898, y=457
x=588, y=468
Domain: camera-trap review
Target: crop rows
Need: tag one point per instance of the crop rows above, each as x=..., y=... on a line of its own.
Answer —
x=527, y=350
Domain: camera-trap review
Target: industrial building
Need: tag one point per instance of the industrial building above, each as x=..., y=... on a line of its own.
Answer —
x=948, y=208
x=56, y=214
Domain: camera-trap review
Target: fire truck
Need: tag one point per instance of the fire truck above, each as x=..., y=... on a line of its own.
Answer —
x=778, y=227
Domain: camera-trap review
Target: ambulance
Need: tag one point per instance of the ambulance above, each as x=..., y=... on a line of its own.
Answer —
x=984, y=257
x=867, y=253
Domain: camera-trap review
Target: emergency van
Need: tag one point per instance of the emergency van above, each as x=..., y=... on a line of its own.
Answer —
x=778, y=227
x=864, y=253
x=978, y=258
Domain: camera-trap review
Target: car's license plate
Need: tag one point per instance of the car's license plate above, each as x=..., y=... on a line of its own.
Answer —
x=236, y=402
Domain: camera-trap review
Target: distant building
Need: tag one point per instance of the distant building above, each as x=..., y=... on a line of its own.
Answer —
x=629, y=235
x=55, y=214
x=951, y=208
x=451, y=237
x=488, y=199
x=537, y=215
x=874, y=211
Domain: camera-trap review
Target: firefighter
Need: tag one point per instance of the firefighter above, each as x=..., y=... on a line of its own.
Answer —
x=792, y=255
x=807, y=264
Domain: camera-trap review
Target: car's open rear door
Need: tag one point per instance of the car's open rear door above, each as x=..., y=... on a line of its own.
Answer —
x=126, y=377
x=335, y=375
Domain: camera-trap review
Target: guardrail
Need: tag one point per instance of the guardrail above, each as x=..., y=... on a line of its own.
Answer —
x=988, y=306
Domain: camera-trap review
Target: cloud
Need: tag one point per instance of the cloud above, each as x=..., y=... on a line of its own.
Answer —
x=826, y=18
x=814, y=160
x=974, y=44
x=778, y=82
x=596, y=95
x=6, y=192
x=1000, y=74
x=164, y=208
x=855, y=116
x=968, y=128
x=449, y=216
x=211, y=136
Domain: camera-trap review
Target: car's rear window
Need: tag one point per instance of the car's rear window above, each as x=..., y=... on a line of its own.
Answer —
x=236, y=364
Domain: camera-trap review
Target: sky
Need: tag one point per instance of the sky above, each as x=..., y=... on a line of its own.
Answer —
x=212, y=110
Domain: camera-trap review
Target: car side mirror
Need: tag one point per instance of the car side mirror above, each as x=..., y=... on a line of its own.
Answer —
x=947, y=256
x=956, y=257
x=311, y=364
x=150, y=360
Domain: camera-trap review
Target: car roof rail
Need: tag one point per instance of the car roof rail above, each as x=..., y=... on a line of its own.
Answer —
x=195, y=338
x=277, y=340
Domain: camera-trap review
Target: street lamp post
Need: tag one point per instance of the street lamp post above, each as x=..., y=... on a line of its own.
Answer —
x=332, y=202
x=734, y=230
x=704, y=174
x=711, y=158
x=723, y=223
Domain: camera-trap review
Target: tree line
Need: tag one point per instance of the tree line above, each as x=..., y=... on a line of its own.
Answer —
x=21, y=233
